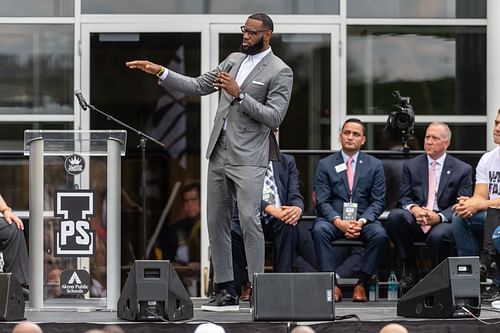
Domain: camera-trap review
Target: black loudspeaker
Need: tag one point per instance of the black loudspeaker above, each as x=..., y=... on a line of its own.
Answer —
x=11, y=298
x=154, y=291
x=293, y=296
x=443, y=293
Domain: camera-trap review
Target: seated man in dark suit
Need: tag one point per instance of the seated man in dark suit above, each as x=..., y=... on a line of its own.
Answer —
x=430, y=185
x=343, y=180
x=282, y=206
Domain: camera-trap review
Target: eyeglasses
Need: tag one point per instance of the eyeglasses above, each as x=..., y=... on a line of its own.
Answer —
x=251, y=32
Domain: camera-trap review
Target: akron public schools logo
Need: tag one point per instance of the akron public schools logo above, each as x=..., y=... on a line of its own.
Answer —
x=75, y=282
x=74, y=164
x=74, y=238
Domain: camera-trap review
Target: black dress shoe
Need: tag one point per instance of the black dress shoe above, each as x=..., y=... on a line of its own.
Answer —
x=408, y=281
x=222, y=301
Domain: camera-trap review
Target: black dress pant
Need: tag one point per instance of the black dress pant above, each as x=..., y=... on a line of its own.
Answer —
x=404, y=231
x=15, y=252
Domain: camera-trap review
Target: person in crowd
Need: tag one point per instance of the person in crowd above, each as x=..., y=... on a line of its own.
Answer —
x=430, y=185
x=182, y=241
x=470, y=221
x=350, y=192
x=302, y=329
x=281, y=209
x=53, y=284
x=13, y=245
x=27, y=327
x=209, y=328
x=393, y=328
x=255, y=87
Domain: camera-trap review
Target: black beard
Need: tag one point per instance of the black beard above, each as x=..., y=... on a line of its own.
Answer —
x=253, y=49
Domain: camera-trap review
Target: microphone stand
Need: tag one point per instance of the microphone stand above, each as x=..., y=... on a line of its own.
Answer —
x=143, y=139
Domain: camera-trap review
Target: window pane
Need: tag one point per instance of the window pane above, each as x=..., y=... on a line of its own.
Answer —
x=37, y=8
x=12, y=134
x=14, y=165
x=323, y=7
x=464, y=137
x=307, y=122
x=442, y=69
x=417, y=9
x=36, y=67
x=15, y=180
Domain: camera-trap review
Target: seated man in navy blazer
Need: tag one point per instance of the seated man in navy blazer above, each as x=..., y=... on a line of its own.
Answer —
x=350, y=194
x=279, y=218
x=430, y=185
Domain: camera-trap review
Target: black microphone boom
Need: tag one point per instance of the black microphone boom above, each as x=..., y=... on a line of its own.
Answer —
x=81, y=100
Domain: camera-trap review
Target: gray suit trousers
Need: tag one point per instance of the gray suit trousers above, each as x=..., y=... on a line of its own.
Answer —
x=244, y=184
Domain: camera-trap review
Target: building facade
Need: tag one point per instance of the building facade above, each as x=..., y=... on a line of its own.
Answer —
x=348, y=57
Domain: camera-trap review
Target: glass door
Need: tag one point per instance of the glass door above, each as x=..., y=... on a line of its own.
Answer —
x=172, y=224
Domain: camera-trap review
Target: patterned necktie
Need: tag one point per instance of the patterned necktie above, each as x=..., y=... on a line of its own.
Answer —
x=269, y=187
x=350, y=175
x=431, y=195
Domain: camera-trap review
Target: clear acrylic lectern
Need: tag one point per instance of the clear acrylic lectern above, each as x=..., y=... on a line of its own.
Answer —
x=74, y=217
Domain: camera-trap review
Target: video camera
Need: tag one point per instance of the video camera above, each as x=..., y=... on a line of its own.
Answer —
x=402, y=118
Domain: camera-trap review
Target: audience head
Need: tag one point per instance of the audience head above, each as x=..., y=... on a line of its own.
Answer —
x=393, y=328
x=209, y=328
x=302, y=329
x=27, y=327
x=191, y=200
x=437, y=139
x=53, y=283
x=352, y=136
x=113, y=329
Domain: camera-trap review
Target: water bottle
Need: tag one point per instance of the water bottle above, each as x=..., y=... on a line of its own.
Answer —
x=373, y=289
x=392, y=287
x=372, y=296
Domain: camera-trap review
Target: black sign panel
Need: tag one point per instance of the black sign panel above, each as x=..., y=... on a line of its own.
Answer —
x=74, y=238
x=75, y=282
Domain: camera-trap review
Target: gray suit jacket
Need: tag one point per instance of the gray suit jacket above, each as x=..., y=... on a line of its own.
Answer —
x=268, y=88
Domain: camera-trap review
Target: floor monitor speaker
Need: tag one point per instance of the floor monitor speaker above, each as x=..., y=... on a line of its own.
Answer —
x=153, y=291
x=444, y=293
x=293, y=296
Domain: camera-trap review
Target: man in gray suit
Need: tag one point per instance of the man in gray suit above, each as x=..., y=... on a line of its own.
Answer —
x=255, y=88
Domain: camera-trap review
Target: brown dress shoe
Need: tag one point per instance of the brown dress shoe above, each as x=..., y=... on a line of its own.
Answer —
x=338, y=294
x=359, y=294
x=246, y=292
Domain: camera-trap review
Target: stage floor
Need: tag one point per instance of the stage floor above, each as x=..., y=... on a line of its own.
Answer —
x=372, y=315
x=382, y=310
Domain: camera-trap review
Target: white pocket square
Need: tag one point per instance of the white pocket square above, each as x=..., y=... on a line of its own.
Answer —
x=259, y=83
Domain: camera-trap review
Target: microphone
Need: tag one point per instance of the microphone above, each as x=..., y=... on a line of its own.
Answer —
x=81, y=100
x=230, y=66
x=227, y=69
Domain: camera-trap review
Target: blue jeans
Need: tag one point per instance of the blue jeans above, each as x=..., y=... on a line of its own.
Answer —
x=468, y=235
x=496, y=239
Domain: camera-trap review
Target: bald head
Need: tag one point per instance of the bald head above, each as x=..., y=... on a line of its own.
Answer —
x=393, y=328
x=27, y=327
x=302, y=329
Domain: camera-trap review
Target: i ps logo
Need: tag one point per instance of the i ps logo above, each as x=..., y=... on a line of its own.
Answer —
x=74, y=238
